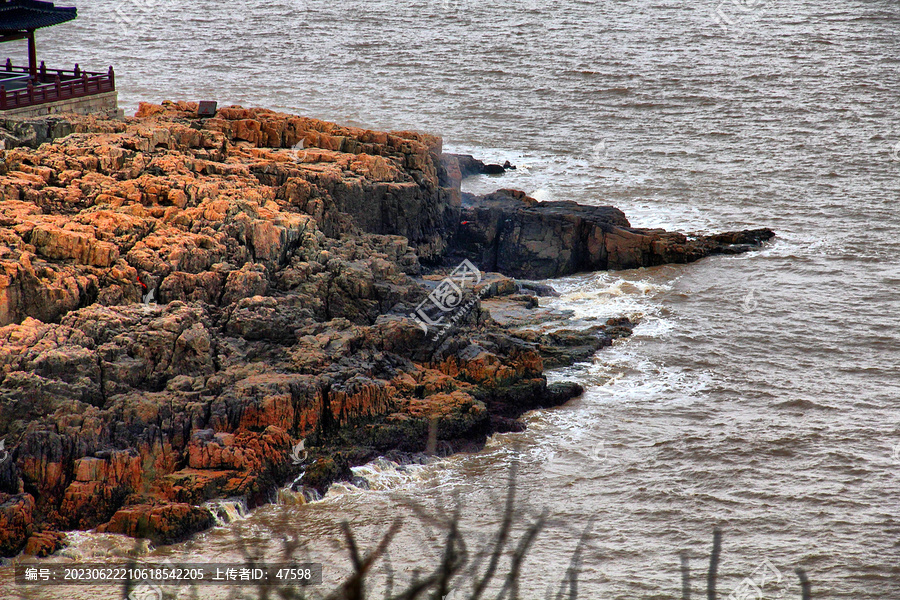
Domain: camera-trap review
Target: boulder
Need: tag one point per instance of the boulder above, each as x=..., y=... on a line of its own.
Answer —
x=44, y=543
x=16, y=522
x=161, y=524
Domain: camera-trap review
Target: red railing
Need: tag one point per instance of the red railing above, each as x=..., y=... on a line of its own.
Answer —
x=52, y=85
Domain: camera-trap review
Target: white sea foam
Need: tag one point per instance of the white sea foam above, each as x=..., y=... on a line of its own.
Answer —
x=658, y=85
x=228, y=510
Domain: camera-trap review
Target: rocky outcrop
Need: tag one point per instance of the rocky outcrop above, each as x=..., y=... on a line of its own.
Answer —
x=33, y=132
x=509, y=232
x=165, y=524
x=461, y=166
x=281, y=254
x=184, y=300
x=16, y=522
x=179, y=204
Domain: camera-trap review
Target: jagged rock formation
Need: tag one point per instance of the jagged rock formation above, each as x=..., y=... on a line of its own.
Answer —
x=286, y=257
x=509, y=232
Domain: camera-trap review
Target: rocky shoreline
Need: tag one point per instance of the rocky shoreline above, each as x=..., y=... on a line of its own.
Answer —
x=183, y=300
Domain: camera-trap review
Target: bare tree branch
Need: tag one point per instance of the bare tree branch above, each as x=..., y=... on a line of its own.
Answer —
x=685, y=576
x=571, y=579
x=714, y=564
x=804, y=584
x=352, y=589
x=502, y=536
x=512, y=580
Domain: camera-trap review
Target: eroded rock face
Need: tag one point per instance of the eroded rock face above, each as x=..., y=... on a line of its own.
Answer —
x=16, y=522
x=200, y=210
x=182, y=301
x=509, y=232
x=282, y=282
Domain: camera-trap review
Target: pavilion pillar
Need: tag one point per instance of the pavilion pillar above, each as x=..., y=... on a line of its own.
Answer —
x=32, y=55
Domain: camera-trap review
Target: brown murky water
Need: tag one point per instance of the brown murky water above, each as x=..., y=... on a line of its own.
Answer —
x=760, y=392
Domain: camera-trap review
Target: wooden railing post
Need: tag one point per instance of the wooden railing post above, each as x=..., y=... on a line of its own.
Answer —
x=41, y=87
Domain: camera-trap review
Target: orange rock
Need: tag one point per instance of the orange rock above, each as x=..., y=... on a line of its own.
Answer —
x=44, y=543
x=181, y=303
x=55, y=243
x=15, y=522
x=165, y=524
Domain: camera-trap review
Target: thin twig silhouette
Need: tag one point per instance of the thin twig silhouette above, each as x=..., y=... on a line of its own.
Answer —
x=714, y=564
x=805, y=586
x=685, y=576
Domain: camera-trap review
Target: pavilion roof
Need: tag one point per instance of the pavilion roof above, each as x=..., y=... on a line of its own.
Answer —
x=22, y=15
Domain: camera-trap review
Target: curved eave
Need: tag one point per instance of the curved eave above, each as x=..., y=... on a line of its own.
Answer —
x=25, y=16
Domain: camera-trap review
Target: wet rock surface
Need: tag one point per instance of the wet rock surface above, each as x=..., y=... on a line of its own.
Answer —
x=286, y=259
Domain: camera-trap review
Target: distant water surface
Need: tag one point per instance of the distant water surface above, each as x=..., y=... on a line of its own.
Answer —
x=759, y=393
